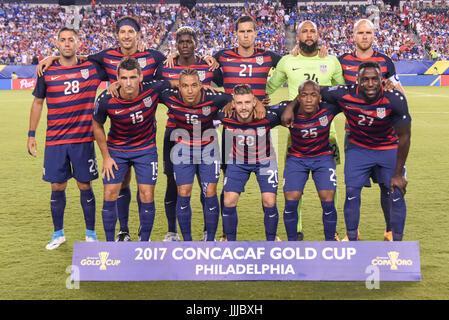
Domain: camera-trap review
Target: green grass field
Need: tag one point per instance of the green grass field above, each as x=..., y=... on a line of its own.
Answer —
x=29, y=271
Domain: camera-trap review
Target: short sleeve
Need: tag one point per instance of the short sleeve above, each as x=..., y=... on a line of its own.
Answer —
x=40, y=90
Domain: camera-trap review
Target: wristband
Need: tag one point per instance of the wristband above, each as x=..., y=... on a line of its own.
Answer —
x=31, y=133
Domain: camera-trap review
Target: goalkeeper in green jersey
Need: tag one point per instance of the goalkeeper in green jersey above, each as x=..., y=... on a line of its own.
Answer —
x=307, y=65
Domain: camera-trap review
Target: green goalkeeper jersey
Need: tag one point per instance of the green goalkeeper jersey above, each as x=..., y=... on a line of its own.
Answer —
x=325, y=71
x=295, y=70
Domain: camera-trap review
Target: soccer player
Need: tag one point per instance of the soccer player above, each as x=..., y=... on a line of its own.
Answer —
x=245, y=64
x=378, y=141
x=363, y=35
x=186, y=43
x=69, y=87
x=127, y=31
x=310, y=152
x=131, y=141
x=248, y=149
x=196, y=148
x=307, y=65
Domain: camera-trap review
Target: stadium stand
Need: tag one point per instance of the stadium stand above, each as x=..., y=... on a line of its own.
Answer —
x=415, y=31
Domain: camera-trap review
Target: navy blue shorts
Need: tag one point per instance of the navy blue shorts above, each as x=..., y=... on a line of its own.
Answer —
x=362, y=163
x=189, y=161
x=237, y=175
x=77, y=160
x=297, y=171
x=145, y=165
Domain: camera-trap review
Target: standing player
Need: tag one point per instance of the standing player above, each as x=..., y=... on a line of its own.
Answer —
x=127, y=31
x=378, y=141
x=363, y=38
x=307, y=65
x=131, y=142
x=196, y=148
x=310, y=151
x=186, y=43
x=70, y=86
x=248, y=149
x=245, y=64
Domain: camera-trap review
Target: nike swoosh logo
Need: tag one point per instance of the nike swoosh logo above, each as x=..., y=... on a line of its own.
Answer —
x=53, y=200
x=294, y=69
x=54, y=78
x=122, y=195
x=328, y=213
x=229, y=60
x=90, y=200
x=182, y=208
x=154, y=178
x=210, y=209
x=118, y=111
x=351, y=198
x=168, y=202
x=397, y=199
x=171, y=75
x=287, y=212
x=272, y=216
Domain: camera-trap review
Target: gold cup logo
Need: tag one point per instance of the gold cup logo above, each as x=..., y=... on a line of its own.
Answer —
x=103, y=257
x=393, y=255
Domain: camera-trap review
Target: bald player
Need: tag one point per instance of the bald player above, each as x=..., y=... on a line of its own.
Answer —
x=307, y=65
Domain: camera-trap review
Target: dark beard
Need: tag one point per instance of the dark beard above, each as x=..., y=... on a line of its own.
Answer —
x=308, y=49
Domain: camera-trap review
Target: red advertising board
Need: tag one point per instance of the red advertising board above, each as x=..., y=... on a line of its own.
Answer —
x=26, y=84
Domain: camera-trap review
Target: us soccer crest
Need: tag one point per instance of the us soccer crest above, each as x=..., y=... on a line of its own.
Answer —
x=259, y=60
x=260, y=131
x=142, y=62
x=323, y=68
x=147, y=101
x=202, y=75
x=381, y=113
x=324, y=121
x=85, y=73
x=206, y=110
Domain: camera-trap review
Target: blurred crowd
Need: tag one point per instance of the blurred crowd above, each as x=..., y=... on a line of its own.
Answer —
x=27, y=31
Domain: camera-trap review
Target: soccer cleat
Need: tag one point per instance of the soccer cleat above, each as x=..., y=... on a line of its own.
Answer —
x=171, y=236
x=123, y=236
x=57, y=239
x=91, y=236
x=223, y=238
x=388, y=236
x=300, y=236
x=347, y=239
x=277, y=238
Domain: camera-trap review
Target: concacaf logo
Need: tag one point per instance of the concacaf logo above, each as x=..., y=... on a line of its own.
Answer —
x=392, y=260
x=102, y=261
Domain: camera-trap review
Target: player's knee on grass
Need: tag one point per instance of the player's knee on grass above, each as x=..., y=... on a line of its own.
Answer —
x=111, y=191
x=146, y=193
x=268, y=199
x=56, y=186
x=84, y=185
x=292, y=195
x=230, y=199
x=185, y=190
x=326, y=195
x=211, y=189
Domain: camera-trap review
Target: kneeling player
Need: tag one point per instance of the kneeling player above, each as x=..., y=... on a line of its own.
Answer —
x=310, y=152
x=248, y=149
x=196, y=148
x=131, y=142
